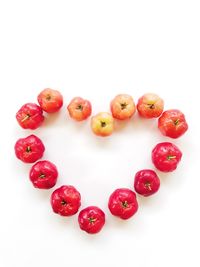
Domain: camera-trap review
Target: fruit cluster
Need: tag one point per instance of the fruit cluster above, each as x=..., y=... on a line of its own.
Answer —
x=122, y=203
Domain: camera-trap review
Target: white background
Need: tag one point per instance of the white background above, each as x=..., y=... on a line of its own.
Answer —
x=97, y=49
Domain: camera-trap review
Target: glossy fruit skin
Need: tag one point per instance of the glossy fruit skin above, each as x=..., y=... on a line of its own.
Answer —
x=79, y=109
x=50, y=100
x=30, y=116
x=146, y=182
x=123, y=203
x=150, y=106
x=172, y=123
x=102, y=124
x=166, y=156
x=29, y=149
x=66, y=200
x=91, y=219
x=122, y=107
x=43, y=174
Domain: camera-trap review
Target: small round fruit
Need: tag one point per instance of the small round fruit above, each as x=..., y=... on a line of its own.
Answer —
x=66, y=200
x=122, y=107
x=29, y=149
x=146, y=182
x=102, y=124
x=30, y=116
x=50, y=100
x=172, y=123
x=91, y=219
x=166, y=156
x=123, y=203
x=79, y=109
x=150, y=106
x=43, y=174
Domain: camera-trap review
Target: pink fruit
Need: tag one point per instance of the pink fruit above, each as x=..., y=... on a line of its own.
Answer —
x=66, y=200
x=91, y=219
x=30, y=116
x=43, y=174
x=166, y=156
x=146, y=182
x=29, y=149
x=123, y=203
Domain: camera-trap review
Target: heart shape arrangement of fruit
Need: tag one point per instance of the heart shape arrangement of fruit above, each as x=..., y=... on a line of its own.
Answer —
x=122, y=203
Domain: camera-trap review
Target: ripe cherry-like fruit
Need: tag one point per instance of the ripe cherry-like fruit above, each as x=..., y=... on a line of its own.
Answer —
x=122, y=107
x=102, y=124
x=79, y=109
x=66, y=200
x=91, y=219
x=146, y=182
x=150, y=106
x=166, y=156
x=50, y=100
x=30, y=116
x=172, y=123
x=123, y=203
x=43, y=174
x=29, y=149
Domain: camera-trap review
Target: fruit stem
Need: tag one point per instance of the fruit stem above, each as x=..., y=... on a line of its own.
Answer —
x=125, y=204
x=171, y=157
x=148, y=185
x=28, y=149
x=92, y=220
x=103, y=124
x=25, y=118
x=176, y=122
x=42, y=175
x=151, y=106
x=63, y=202
x=79, y=107
x=123, y=105
x=48, y=97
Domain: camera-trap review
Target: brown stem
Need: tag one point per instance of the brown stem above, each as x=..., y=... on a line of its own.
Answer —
x=25, y=118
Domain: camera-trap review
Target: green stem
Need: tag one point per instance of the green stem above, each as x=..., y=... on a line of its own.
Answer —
x=171, y=157
x=92, y=220
x=148, y=185
x=176, y=122
x=42, y=176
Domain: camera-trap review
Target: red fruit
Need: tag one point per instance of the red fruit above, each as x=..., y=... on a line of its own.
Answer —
x=172, y=123
x=66, y=200
x=91, y=219
x=30, y=116
x=29, y=149
x=50, y=100
x=122, y=107
x=146, y=182
x=79, y=109
x=166, y=156
x=150, y=106
x=123, y=203
x=43, y=174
